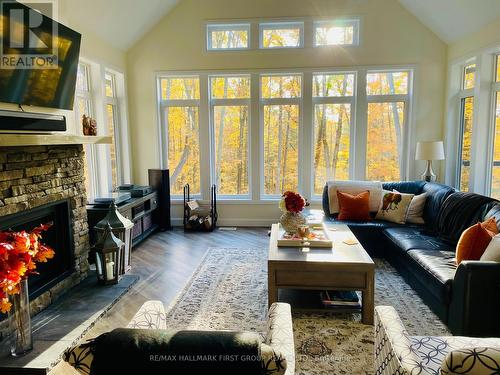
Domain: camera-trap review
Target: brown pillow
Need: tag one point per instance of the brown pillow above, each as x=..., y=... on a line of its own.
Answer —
x=354, y=207
x=491, y=225
x=473, y=242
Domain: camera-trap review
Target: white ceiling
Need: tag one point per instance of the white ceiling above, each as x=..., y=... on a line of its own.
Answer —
x=453, y=19
x=119, y=22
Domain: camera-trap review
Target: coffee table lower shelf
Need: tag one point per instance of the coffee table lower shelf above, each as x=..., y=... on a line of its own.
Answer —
x=309, y=301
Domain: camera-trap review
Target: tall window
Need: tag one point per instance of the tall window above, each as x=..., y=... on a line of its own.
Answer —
x=228, y=37
x=280, y=99
x=281, y=35
x=466, y=122
x=84, y=107
x=339, y=32
x=180, y=102
x=333, y=98
x=387, y=94
x=495, y=174
x=230, y=112
x=112, y=125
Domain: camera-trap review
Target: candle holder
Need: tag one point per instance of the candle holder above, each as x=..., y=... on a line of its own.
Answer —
x=108, y=250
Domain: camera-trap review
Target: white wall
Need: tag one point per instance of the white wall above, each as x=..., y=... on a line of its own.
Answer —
x=390, y=35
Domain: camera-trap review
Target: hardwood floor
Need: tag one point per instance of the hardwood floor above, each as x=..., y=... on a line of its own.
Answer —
x=165, y=262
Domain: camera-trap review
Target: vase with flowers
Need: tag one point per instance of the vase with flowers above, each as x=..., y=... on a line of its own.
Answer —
x=19, y=253
x=292, y=204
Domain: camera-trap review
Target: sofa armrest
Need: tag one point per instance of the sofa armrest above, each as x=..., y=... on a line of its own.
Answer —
x=471, y=361
x=151, y=315
x=475, y=299
x=279, y=334
x=393, y=351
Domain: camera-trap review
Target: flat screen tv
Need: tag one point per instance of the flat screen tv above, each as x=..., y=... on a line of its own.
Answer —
x=38, y=58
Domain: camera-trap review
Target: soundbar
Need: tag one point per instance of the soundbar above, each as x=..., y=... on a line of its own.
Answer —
x=14, y=121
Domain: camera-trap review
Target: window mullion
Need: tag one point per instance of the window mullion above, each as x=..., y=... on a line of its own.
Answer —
x=205, y=137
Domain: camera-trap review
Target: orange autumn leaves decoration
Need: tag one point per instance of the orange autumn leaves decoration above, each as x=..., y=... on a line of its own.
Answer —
x=19, y=253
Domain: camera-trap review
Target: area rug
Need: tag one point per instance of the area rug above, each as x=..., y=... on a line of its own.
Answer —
x=229, y=291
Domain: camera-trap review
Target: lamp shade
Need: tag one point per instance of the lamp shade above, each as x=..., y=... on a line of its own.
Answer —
x=430, y=151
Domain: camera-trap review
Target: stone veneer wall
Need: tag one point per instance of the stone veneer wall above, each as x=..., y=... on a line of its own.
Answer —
x=37, y=175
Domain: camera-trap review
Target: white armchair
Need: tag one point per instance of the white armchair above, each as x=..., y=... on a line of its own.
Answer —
x=396, y=352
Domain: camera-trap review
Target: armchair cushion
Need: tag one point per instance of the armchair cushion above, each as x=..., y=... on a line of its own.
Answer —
x=472, y=361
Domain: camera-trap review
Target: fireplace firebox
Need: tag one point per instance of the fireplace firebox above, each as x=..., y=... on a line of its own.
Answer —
x=59, y=237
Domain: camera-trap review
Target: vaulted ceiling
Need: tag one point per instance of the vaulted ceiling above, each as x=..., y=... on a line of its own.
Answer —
x=454, y=19
x=123, y=22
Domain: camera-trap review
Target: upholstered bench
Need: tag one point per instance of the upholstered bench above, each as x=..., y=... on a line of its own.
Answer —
x=396, y=352
x=276, y=351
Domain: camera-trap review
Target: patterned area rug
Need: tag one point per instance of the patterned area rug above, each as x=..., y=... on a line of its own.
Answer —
x=229, y=291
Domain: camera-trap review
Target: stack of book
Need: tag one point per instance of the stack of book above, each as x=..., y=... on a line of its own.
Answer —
x=340, y=299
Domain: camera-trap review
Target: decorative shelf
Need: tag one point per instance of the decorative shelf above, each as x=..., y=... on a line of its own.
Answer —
x=51, y=139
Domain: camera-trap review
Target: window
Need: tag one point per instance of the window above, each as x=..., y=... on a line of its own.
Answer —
x=280, y=111
x=228, y=37
x=466, y=118
x=180, y=101
x=469, y=76
x=282, y=35
x=337, y=32
x=112, y=125
x=387, y=106
x=333, y=100
x=84, y=107
x=262, y=133
x=495, y=173
x=230, y=112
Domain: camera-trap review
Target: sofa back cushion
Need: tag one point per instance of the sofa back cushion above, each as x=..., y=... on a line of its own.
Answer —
x=460, y=211
x=436, y=195
x=494, y=212
x=406, y=187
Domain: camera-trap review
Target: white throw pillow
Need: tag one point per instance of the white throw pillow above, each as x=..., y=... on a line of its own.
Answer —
x=394, y=207
x=354, y=188
x=492, y=252
x=416, y=210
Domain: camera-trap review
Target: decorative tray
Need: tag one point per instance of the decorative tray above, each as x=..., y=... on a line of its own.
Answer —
x=317, y=237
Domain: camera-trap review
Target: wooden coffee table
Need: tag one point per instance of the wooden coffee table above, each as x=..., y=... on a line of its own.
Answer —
x=342, y=267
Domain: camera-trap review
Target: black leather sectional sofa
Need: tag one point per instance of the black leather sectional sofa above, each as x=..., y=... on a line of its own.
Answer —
x=467, y=297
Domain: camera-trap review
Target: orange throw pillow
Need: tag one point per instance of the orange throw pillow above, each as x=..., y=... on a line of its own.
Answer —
x=354, y=207
x=473, y=242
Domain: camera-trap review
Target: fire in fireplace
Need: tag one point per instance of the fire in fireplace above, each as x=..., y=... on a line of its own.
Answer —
x=58, y=237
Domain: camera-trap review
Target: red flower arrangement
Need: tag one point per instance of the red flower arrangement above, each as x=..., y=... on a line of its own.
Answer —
x=293, y=202
x=19, y=253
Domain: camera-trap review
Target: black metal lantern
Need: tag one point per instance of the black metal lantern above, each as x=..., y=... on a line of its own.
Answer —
x=108, y=250
x=122, y=228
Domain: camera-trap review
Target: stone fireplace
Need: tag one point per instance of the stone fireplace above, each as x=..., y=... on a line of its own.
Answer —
x=46, y=183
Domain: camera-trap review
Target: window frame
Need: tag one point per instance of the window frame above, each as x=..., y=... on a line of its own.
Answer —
x=244, y=26
x=217, y=102
x=281, y=25
x=461, y=97
x=351, y=100
x=345, y=22
x=280, y=101
x=495, y=106
x=113, y=101
x=256, y=130
x=163, y=122
x=395, y=98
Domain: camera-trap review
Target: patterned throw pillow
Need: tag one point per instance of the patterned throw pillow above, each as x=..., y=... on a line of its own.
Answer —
x=416, y=210
x=394, y=207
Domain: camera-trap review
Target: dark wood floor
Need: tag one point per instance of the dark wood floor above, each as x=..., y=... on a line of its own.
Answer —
x=165, y=262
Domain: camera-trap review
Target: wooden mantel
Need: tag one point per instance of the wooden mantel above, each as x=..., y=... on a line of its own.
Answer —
x=51, y=139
